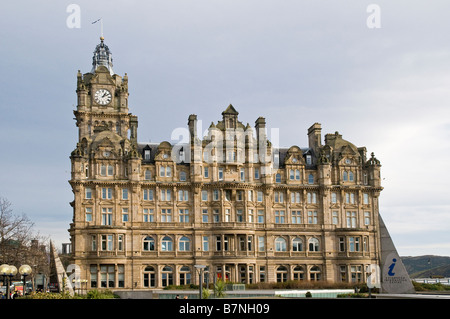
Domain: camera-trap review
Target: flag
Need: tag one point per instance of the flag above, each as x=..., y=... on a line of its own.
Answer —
x=96, y=21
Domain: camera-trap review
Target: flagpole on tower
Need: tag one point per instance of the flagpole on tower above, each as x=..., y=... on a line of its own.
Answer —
x=101, y=27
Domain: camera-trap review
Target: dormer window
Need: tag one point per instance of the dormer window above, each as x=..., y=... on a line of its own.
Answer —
x=146, y=155
x=308, y=160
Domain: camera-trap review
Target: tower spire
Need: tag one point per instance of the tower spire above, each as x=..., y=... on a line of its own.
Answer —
x=102, y=56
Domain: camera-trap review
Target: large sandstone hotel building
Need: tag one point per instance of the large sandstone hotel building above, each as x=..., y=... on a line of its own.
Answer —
x=145, y=213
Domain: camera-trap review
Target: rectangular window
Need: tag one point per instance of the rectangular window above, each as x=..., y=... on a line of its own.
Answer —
x=110, y=170
x=335, y=217
x=256, y=173
x=107, y=216
x=183, y=195
x=107, y=242
x=262, y=273
x=166, y=194
x=350, y=198
x=227, y=215
x=220, y=173
x=354, y=244
x=120, y=242
x=88, y=193
x=239, y=195
x=308, y=160
x=205, y=217
x=147, y=154
x=148, y=194
x=279, y=217
x=215, y=194
x=162, y=171
x=278, y=197
x=106, y=193
x=351, y=219
x=107, y=276
x=341, y=244
x=366, y=199
x=216, y=216
x=295, y=197
x=366, y=218
x=88, y=214
x=239, y=215
x=250, y=196
x=184, y=215
x=291, y=174
x=206, y=172
x=218, y=243
x=251, y=217
x=333, y=198
x=259, y=196
x=242, y=174
x=103, y=170
x=260, y=216
x=312, y=217
x=296, y=217
x=312, y=198
x=94, y=243
x=205, y=243
x=204, y=195
x=124, y=214
x=148, y=215
x=166, y=215
x=124, y=193
x=261, y=243
x=93, y=276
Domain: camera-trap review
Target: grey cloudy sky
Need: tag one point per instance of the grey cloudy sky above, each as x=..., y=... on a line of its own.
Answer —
x=293, y=62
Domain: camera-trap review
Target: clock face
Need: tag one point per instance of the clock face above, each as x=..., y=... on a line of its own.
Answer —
x=102, y=96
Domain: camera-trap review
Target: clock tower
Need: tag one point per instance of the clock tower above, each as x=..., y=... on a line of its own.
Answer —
x=103, y=99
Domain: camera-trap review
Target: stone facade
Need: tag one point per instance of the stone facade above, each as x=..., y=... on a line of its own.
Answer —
x=145, y=213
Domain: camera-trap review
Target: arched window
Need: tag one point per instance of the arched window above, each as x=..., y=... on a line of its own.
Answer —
x=148, y=244
x=314, y=273
x=297, y=244
x=282, y=273
x=310, y=179
x=280, y=244
x=291, y=174
x=168, y=171
x=351, y=176
x=313, y=244
x=185, y=275
x=345, y=176
x=166, y=244
x=184, y=244
x=149, y=277
x=182, y=176
x=299, y=273
x=297, y=174
x=148, y=175
x=167, y=276
x=278, y=178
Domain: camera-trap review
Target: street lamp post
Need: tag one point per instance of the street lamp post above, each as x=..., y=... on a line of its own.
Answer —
x=12, y=273
x=4, y=271
x=200, y=269
x=25, y=270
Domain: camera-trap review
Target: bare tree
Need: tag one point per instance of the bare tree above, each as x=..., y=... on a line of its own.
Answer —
x=19, y=244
